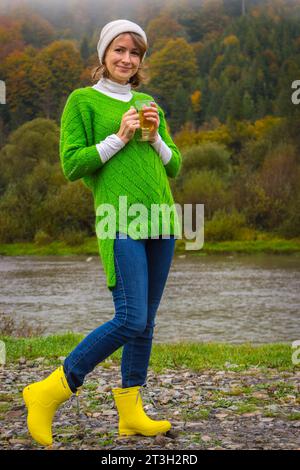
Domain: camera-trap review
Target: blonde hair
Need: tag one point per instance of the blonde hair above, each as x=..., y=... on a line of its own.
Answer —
x=140, y=77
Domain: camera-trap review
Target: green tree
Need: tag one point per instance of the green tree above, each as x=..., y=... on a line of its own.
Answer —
x=179, y=108
x=65, y=65
x=36, y=198
x=84, y=49
x=248, y=108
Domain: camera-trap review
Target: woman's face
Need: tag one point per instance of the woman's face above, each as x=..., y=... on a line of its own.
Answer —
x=122, y=59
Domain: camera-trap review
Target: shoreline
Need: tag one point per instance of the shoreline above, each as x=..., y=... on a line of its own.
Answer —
x=193, y=355
x=224, y=410
x=90, y=248
x=217, y=396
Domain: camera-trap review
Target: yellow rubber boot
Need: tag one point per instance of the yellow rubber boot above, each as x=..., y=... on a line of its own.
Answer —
x=42, y=400
x=132, y=417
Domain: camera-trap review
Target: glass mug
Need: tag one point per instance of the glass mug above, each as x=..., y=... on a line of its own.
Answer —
x=146, y=126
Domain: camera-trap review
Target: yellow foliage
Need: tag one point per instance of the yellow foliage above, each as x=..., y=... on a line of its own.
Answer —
x=219, y=59
x=175, y=61
x=188, y=137
x=223, y=134
x=220, y=134
x=196, y=99
x=231, y=40
x=261, y=126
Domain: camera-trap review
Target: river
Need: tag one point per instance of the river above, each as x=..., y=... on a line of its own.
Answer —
x=236, y=299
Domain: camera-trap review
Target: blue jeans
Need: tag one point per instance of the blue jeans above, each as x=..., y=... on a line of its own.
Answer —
x=142, y=267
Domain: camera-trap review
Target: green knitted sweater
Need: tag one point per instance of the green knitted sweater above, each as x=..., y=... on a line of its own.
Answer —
x=136, y=171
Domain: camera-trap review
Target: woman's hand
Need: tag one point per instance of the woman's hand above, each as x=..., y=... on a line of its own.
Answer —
x=130, y=122
x=152, y=115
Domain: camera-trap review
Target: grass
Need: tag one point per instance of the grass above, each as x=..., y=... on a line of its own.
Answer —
x=267, y=244
x=198, y=415
x=5, y=407
x=195, y=356
x=89, y=247
x=294, y=416
x=245, y=408
x=274, y=246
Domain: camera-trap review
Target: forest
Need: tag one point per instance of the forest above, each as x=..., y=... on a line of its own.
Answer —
x=223, y=71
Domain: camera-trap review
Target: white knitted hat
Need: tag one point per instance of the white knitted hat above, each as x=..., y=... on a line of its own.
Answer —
x=113, y=29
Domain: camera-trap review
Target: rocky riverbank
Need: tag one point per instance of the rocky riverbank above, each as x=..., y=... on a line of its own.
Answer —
x=227, y=409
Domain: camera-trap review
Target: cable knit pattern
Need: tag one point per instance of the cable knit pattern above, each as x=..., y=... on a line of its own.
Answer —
x=136, y=170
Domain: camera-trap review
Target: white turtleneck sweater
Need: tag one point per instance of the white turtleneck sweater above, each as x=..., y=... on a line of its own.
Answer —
x=108, y=147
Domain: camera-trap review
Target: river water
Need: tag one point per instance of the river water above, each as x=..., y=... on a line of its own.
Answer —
x=236, y=299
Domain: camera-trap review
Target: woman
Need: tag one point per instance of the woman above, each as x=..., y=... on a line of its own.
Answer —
x=98, y=144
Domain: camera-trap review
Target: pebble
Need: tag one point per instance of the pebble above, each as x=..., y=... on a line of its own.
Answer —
x=202, y=413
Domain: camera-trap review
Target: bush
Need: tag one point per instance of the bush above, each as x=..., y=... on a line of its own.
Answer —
x=42, y=238
x=70, y=208
x=209, y=156
x=223, y=226
x=255, y=151
x=207, y=188
x=290, y=227
x=21, y=328
x=73, y=237
x=9, y=228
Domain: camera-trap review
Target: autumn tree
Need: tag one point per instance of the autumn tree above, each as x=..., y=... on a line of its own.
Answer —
x=64, y=63
x=36, y=30
x=10, y=37
x=161, y=29
x=38, y=81
x=174, y=63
